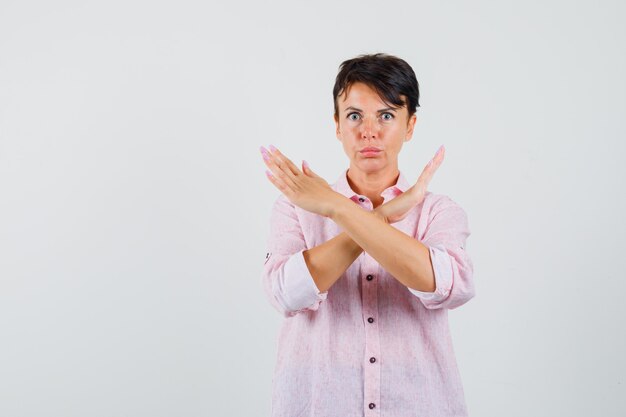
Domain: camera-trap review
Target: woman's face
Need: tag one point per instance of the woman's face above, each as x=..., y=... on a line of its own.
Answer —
x=364, y=120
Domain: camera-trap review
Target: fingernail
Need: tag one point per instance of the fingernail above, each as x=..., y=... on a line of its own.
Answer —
x=305, y=163
x=268, y=174
x=273, y=148
x=265, y=154
x=440, y=148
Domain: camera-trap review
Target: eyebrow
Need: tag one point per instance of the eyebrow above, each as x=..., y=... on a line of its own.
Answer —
x=379, y=111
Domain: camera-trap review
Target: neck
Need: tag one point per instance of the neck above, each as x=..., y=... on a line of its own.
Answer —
x=372, y=184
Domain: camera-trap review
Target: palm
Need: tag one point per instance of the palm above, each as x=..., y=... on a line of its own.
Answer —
x=398, y=208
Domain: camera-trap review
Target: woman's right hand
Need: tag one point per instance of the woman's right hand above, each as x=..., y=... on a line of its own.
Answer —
x=398, y=208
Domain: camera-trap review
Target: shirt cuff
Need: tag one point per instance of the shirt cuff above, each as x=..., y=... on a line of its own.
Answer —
x=303, y=293
x=442, y=267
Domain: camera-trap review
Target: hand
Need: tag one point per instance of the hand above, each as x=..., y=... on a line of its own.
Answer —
x=303, y=188
x=398, y=208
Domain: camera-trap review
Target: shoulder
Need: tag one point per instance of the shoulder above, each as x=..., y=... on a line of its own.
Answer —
x=436, y=204
x=281, y=200
x=283, y=208
x=438, y=200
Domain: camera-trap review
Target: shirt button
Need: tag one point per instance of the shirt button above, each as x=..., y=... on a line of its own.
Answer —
x=372, y=405
x=371, y=319
x=370, y=277
x=372, y=359
x=361, y=199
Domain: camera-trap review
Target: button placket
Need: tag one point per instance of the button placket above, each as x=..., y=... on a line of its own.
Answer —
x=372, y=335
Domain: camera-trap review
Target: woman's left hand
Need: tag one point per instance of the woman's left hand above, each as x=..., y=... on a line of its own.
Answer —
x=398, y=208
x=303, y=188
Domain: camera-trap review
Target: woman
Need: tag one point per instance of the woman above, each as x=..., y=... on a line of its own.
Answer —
x=365, y=270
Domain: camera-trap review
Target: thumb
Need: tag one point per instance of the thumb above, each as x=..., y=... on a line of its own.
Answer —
x=307, y=169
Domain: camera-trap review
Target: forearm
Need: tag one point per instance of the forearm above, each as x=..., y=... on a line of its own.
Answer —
x=405, y=258
x=328, y=261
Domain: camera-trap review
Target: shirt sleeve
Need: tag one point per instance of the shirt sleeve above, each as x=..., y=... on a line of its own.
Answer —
x=446, y=236
x=286, y=279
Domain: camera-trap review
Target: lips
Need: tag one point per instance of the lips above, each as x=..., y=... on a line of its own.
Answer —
x=370, y=152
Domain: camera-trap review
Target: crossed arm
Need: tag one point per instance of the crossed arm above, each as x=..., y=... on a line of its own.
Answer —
x=405, y=258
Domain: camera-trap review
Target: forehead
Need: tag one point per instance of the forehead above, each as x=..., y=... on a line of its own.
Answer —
x=359, y=91
x=360, y=94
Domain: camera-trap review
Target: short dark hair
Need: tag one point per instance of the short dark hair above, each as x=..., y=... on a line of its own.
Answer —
x=388, y=75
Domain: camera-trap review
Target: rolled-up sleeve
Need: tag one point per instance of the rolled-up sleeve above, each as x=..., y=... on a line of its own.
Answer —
x=446, y=238
x=286, y=279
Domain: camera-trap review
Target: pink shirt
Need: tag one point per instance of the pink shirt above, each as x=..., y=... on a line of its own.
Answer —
x=369, y=346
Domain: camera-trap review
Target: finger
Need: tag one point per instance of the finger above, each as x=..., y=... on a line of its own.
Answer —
x=429, y=171
x=278, y=169
x=434, y=163
x=278, y=183
x=282, y=158
x=431, y=168
x=290, y=169
x=438, y=158
x=307, y=169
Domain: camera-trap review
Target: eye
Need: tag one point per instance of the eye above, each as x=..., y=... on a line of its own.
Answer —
x=352, y=118
x=391, y=116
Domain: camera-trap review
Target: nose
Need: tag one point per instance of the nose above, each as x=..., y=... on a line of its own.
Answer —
x=369, y=128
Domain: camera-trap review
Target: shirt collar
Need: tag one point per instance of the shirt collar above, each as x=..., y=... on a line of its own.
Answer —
x=342, y=186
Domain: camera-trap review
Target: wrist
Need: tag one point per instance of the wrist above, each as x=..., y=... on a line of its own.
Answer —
x=378, y=211
x=338, y=204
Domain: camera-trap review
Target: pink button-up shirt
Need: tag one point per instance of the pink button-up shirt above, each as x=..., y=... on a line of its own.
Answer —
x=369, y=346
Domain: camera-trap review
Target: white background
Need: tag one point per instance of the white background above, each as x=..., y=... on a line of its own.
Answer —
x=134, y=208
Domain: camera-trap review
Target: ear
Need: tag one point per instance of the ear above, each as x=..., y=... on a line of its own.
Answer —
x=337, y=130
x=411, y=126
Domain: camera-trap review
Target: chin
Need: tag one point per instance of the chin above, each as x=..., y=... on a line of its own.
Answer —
x=369, y=166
